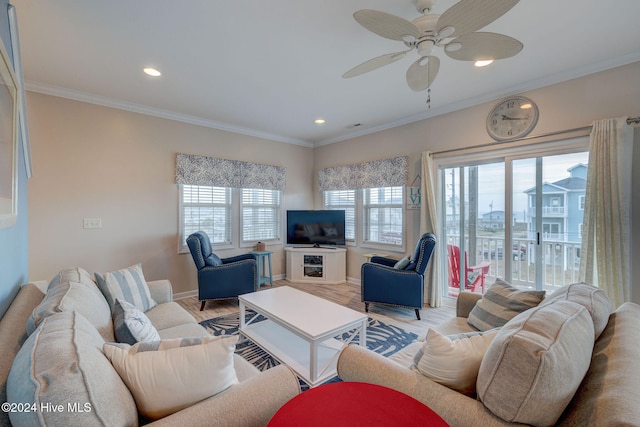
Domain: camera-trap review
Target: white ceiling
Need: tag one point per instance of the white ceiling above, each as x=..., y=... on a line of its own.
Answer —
x=269, y=68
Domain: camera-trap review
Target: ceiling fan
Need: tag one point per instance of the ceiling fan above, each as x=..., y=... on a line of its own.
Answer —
x=455, y=31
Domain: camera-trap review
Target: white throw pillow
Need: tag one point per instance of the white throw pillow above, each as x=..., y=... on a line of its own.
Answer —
x=167, y=376
x=132, y=325
x=454, y=361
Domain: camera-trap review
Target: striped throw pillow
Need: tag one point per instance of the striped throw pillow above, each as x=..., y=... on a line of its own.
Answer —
x=501, y=303
x=167, y=376
x=128, y=285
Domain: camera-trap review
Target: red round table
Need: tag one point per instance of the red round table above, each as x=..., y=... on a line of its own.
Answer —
x=354, y=404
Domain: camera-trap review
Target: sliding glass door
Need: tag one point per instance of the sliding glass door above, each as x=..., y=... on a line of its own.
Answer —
x=517, y=217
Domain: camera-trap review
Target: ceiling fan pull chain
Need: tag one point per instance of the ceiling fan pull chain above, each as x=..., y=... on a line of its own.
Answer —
x=429, y=98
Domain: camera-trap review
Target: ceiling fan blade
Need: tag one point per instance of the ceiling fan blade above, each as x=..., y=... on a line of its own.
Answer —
x=423, y=72
x=386, y=25
x=477, y=46
x=374, y=64
x=468, y=16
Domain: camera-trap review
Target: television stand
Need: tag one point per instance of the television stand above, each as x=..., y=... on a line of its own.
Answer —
x=316, y=265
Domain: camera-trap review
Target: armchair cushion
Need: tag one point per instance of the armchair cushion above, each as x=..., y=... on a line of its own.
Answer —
x=167, y=376
x=402, y=263
x=127, y=284
x=501, y=303
x=213, y=260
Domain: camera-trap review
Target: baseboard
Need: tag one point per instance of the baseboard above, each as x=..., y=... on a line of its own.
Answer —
x=194, y=293
x=183, y=295
x=353, y=281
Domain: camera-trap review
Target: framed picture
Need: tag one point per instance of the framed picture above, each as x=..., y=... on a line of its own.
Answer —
x=8, y=142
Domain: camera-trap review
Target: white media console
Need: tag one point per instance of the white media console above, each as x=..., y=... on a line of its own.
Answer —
x=316, y=265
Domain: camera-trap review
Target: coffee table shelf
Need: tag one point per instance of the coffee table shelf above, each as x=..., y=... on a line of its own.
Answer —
x=300, y=330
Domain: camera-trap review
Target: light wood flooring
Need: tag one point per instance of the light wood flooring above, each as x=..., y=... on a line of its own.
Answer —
x=344, y=294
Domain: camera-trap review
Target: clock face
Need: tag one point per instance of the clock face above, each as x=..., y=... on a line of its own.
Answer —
x=512, y=118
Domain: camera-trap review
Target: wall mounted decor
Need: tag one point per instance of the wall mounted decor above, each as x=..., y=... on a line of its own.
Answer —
x=8, y=146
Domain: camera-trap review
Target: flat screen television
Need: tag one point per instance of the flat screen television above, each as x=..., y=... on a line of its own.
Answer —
x=316, y=228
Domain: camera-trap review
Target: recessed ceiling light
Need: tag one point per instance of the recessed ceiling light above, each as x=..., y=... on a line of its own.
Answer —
x=150, y=71
x=483, y=63
x=319, y=121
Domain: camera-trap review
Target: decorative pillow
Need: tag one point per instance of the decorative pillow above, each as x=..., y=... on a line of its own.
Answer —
x=131, y=325
x=402, y=264
x=128, y=285
x=536, y=363
x=454, y=360
x=75, y=274
x=501, y=303
x=72, y=296
x=167, y=376
x=62, y=363
x=594, y=299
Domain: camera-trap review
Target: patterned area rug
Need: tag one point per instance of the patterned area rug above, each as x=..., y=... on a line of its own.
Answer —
x=382, y=338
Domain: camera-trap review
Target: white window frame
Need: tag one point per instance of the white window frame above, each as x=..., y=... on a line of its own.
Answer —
x=277, y=213
x=581, y=202
x=351, y=226
x=235, y=226
x=360, y=221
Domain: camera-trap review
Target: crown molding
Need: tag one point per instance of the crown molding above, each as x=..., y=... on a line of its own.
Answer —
x=156, y=112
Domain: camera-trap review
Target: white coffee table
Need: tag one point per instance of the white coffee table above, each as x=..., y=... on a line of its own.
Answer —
x=299, y=330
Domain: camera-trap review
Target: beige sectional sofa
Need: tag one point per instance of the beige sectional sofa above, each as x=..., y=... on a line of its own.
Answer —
x=51, y=353
x=566, y=362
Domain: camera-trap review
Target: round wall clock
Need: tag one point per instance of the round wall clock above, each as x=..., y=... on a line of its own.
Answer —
x=512, y=118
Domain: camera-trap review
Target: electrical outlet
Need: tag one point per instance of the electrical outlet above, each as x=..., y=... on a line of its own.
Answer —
x=93, y=223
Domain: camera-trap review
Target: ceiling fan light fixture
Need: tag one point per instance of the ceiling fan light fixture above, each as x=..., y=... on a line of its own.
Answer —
x=408, y=38
x=319, y=121
x=447, y=32
x=453, y=47
x=483, y=62
x=424, y=47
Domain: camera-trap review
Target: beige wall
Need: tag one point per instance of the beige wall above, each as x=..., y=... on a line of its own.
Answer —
x=91, y=161
x=568, y=105
x=97, y=162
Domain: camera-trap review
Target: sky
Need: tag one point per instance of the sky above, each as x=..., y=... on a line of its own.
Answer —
x=491, y=180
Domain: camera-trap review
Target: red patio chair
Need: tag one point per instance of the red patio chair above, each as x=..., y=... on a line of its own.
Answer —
x=473, y=276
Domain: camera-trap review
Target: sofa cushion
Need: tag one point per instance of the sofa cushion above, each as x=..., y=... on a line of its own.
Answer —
x=169, y=314
x=75, y=274
x=454, y=360
x=131, y=325
x=594, y=299
x=62, y=363
x=185, y=330
x=73, y=296
x=500, y=304
x=127, y=284
x=167, y=376
x=608, y=395
x=536, y=362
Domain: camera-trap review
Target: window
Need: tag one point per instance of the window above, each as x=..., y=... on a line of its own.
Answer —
x=260, y=215
x=226, y=213
x=377, y=212
x=207, y=209
x=383, y=215
x=581, y=203
x=344, y=200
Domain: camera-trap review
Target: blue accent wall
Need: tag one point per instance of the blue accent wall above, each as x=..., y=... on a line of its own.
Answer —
x=13, y=240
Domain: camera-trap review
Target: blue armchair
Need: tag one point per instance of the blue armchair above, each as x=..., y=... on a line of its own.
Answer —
x=221, y=278
x=381, y=283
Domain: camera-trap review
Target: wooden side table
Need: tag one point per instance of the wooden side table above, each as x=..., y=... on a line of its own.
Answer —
x=367, y=257
x=355, y=404
x=262, y=258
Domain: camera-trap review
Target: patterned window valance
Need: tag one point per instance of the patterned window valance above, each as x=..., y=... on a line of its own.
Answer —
x=201, y=170
x=379, y=173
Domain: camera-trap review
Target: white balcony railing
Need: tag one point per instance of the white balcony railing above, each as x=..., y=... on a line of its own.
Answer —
x=561, y=260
